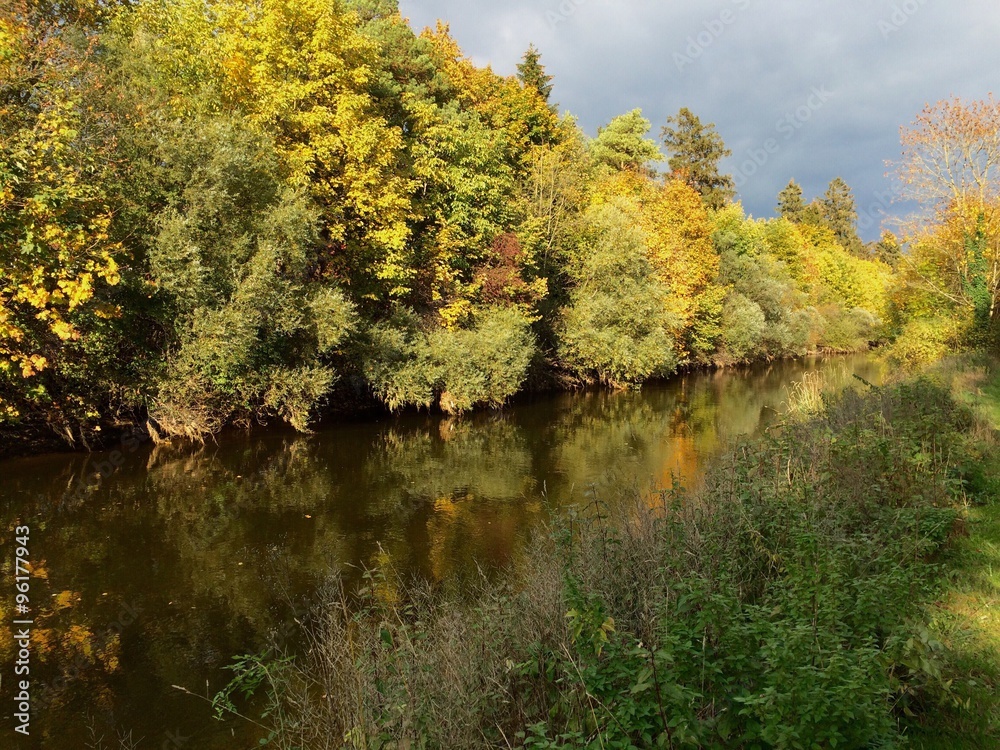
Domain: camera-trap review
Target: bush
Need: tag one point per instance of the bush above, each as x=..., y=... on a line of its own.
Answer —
x=743, y=328
x=460, y=368
x=923, y=341
x=616, y=327
x=849, y=330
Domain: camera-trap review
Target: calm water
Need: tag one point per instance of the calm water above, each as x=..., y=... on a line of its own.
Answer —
x=154, y=572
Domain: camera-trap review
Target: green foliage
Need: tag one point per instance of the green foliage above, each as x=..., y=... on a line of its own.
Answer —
x=838, y=212
x=214, y=212
x=743, y=327
x=791, y=206
x=850, y=330
x=975, y=283
x=887, y=250
x=462, y=368
x=232, y=259
x=622, y=144
x=532, y=73
x=616, y=326
x=779, y=607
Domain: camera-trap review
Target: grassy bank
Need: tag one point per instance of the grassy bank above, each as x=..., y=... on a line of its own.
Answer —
x=966, y=615
x=826, y=588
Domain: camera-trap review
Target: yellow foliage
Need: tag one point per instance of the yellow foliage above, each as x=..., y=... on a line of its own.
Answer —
x=56, y=219
x=678, y=233
x=832, y=274
x=457, y=313
x=297, y=70
x=31, y=365
x=66, y=599
x=504, y=104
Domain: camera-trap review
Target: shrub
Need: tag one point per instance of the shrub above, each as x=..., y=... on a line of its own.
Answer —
x=849, y=330
x=743, y=328
x=616, y=327
x=486, y=364
x=460, y=368
x=924, y=340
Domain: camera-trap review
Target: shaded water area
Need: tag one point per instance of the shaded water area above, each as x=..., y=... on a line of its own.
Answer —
x=153, y=567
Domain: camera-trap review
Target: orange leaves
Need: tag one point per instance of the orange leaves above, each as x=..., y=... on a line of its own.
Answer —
x=951, y=165
x=951, y=153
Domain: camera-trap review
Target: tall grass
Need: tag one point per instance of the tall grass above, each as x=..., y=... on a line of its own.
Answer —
x=778, y=607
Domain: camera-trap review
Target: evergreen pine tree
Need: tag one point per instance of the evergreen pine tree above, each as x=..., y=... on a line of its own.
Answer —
x=532, y=73
x=839, y=212
x=696, y=151
x=791, y=206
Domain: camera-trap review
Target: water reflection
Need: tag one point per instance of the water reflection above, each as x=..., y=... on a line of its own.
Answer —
x=152, y=569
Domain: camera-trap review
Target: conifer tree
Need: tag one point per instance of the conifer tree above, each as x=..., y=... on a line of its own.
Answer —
x=791, y=206
x=696, y=151
x=839, y=212
x=532, y=73
x=622, y=144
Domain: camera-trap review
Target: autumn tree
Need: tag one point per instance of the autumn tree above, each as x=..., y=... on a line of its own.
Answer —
x=678, y=237
x=57, y=252
x=298, y=70
x=951, y=165
x=695, y=152
x=617, y=327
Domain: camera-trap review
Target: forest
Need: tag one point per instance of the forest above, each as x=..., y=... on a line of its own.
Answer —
x=231, y=213
x=224, y=214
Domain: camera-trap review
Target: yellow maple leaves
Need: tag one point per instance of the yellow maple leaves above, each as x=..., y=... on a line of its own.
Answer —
x=55, y=230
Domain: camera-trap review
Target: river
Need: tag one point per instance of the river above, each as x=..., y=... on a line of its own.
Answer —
x=152, y=567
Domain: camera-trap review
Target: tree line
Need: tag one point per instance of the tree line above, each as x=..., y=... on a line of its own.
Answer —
x=230, y=212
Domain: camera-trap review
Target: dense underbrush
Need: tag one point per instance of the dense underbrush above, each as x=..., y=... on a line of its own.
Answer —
x=780, y=606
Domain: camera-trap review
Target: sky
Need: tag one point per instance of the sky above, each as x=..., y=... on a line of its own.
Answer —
x=803, y=89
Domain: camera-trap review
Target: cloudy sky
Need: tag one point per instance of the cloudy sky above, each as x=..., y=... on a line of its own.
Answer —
x=804, y=89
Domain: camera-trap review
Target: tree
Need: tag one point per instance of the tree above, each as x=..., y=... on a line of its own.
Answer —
x=617, y=325
x=887, y=250
x=532, y=73
x=57, y=253
x=622, y=144
x=300, y=71
x=791, y=206
x=839, y=212
x=951, y=155
x=950, y=165
x=696, y=152
x=678, y=235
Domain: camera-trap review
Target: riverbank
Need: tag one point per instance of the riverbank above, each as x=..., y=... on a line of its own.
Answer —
x=790, y=602
x=349, y=403
x=966, y=616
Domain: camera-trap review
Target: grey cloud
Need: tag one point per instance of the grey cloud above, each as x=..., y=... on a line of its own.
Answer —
x=746, y=65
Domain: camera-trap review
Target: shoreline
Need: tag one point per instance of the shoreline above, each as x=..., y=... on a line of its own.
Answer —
x=40, y=440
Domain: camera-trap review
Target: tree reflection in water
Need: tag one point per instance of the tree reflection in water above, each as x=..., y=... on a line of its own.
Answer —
x=214, y=548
